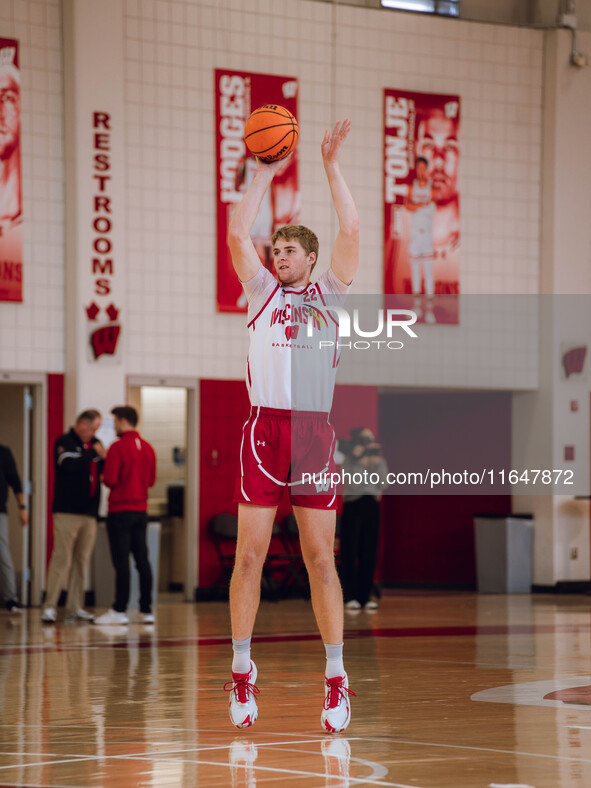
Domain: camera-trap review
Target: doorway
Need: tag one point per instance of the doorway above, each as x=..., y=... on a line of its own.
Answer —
x=166, y=412
x=21, y=429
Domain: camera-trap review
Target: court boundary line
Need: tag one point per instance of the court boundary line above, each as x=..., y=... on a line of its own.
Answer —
x=405, y=742
x=349, y=634
x=165, y=755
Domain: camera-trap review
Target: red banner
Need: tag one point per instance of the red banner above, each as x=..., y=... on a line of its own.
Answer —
x=11, y=238
x=237, y=94
x=421, y=203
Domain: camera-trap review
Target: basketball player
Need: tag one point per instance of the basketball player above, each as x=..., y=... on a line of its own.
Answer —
x=279, y=428
x=421, y=205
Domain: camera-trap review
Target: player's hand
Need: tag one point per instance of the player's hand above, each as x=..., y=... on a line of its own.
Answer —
x=332, y=143
x=272, y=167
x=24, y=517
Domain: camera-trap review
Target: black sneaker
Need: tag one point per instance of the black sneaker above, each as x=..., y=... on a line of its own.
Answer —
x=13, y=606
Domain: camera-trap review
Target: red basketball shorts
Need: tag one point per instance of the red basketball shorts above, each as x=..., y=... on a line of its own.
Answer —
x=283, y=448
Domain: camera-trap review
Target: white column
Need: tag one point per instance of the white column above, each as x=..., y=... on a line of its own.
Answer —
x=557, y=415
x=95, y=205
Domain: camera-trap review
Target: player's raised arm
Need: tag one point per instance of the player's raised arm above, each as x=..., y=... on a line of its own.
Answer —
x=345, y=253
x=244, y=256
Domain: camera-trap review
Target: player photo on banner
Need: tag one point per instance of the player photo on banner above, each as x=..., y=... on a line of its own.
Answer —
x=421, y=203
x=237, y=94
x=11, y=240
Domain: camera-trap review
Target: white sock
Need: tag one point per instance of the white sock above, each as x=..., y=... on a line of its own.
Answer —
x=241, y=661
x=334, y=660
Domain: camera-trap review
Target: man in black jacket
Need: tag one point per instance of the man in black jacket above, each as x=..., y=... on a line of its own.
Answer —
x=9, y=478
x=78, y=458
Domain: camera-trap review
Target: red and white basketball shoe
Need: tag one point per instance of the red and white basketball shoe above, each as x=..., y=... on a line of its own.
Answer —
x=243, y=706
x=336, y=714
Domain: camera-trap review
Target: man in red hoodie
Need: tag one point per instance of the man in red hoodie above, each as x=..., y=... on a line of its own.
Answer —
x=130, y=470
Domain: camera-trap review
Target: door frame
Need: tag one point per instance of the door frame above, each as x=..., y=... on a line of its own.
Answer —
x=191, y=579
x=38, y=500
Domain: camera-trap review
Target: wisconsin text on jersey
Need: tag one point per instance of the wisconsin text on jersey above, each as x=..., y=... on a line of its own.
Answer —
x=297, y=314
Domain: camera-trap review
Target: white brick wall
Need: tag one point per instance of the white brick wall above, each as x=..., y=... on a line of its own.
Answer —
x=171, y=50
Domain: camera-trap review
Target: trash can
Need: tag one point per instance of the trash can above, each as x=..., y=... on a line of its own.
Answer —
x=504, y=551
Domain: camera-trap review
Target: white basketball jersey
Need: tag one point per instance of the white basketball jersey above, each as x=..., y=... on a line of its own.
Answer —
x=422, y=219
x=421, y=194
x=286, y=368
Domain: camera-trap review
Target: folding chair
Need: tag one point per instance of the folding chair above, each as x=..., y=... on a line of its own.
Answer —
x=291, y=537
x=279, y=568
x=223, y=530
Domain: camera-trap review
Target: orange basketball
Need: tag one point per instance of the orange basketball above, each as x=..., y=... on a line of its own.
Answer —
x=271, y=132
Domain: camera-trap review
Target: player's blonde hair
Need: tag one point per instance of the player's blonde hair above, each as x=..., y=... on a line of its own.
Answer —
x=304, y=235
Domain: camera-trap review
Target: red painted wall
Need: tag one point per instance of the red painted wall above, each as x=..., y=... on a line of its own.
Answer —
x=426, y=540
x=354, y=406
x=55, y=428
x=429, y=539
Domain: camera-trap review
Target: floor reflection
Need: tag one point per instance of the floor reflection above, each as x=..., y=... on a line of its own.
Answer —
x=241, y=757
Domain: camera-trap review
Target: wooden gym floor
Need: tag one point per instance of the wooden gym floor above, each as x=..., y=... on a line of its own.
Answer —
x=453, y=691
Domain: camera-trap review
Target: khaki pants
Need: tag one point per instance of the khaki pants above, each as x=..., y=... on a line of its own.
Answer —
x=7, y=578
x=73, y=541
